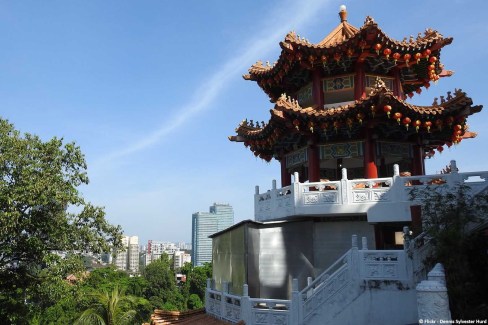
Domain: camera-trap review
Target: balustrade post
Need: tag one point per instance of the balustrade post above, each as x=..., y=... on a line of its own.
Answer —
x=246, y=314
x=296, y=178
x=273, y=183
x=295, y=304
x=396, y=170
x=207, y=294
x=406, y=237
x=354, y=260
x=256, y=190
x=432, y=300
x=344, y=188
x=364, y=242
x=437, y=274
x=354, y=241
x=225, y=289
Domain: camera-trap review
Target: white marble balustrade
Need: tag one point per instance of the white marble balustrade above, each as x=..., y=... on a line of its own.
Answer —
x=376, y=198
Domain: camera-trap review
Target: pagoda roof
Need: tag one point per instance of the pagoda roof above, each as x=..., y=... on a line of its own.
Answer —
x=346, y=44
x=438, y=124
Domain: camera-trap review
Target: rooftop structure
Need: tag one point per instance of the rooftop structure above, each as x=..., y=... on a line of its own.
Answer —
x=341, y=125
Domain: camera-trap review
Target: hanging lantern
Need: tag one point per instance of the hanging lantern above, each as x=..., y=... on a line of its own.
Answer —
x=377, y=48
x=256, y=153
x=418, y=90
x=406, y=121
x=426, y=53
x=431, y=67
x=427, y=85
x=373, y=110
x=438, y=123
x=407, y=57
x=337, y=125
x=410, y=94
x=449, y=120
x=449, y=144
x=310, y=126
x=387, y=110
x=362, y=45
x=311, y=59
x=427, y=125
x=458, y=133
x=296, y=123
x=440, y=149
x=337, y=56
x=417, y=125
x=360, y=117
x=397, y=116
x=324, y=59
x=432, y=59
x=299, y=56
x=418, y=56
x=458, y=127
x=396, y=56
x=387, y=53
x=324, y=125
x=431, y=152
x=350, y=52
x=349, y=122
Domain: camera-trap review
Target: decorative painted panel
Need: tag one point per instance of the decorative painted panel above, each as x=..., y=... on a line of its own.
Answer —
x=371, y=81
x=341, y=150
x=395, y=149
x=338, y=83
x=296, y=158
x=304, y=96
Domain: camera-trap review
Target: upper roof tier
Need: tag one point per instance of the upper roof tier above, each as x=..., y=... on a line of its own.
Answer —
x=393, y=119
x=416, y=58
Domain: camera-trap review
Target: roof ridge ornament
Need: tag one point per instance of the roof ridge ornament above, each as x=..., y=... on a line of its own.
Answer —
x=343, y=13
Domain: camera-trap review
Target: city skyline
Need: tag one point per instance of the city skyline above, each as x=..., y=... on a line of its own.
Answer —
x=151, y=97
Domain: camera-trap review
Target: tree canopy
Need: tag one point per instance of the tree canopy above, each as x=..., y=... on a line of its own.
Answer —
x=43, y=217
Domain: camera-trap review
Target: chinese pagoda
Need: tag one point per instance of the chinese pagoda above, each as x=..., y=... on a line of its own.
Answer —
x=341, y=126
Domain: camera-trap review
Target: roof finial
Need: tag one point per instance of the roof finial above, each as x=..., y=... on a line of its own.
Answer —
x=343, y=13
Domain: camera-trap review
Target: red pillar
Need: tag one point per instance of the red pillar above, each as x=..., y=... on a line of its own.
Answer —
x=285, y=176
x=370, y=169
x=317, y=91
x=313, y=163
x=418, y=161
x=359, y=84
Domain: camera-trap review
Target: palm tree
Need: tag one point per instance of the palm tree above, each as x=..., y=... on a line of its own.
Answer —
x=108, y=310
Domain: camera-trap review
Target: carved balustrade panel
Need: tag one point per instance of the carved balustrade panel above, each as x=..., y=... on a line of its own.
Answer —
x=382, y=265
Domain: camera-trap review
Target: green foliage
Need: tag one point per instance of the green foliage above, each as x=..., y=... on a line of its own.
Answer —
x=448, y=217
x=194, y=302
x=109, y=308
x=41, y=212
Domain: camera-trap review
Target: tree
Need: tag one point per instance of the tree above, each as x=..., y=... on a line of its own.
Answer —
x=448, y=217
x=110, y=308
x=42, y=213
x=161, y=286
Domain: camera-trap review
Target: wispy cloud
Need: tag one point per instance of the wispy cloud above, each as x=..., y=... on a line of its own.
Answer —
x=291, y=15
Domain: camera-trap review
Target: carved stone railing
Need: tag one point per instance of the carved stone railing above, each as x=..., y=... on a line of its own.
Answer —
x=333, y=290
x=371, y=196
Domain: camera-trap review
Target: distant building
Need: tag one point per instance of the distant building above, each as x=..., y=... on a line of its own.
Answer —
x=180, y=258
x=204, y=224
x=128, y=258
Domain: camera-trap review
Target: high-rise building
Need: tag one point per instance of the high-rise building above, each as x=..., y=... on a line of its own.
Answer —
x=180, y=258
x=128, y=258
x=204, y=224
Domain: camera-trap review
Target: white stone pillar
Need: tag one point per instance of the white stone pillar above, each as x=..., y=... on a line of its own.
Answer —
x=295, y=307
x=246, y=314
x=432, y=299
x=364, y=242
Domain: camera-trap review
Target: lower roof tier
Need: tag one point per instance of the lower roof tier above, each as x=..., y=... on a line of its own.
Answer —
x=390, y=118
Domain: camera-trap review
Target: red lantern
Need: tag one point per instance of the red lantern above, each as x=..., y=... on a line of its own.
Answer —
x=427, y=53
x=440, y=149
x=350, y=52
x=418, y=56
x=324, y=125
x=397, y=116
x=296, y=123
x=349, y=122
x=299, y=56
x=431, y=67
x=387, y=53
x=449, y=144
x=324, y=59
x=377, y=48
x=396, y=56
x=410, y=94
x=373, y=110
x=427, y=125
x=406, y=57
x=406, y=121
x=387, y=110
x=449, y=120
x=458, y=127
x=417, y=125
x=432, y=59
x=337, y=56
x=311, y=126
x=426, y=85
x=337, y=125
x=362, y=44
x=418, y=90
x=438, y=123
x=360, y=117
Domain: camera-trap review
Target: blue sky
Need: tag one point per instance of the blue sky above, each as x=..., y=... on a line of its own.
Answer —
x=150, y=90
